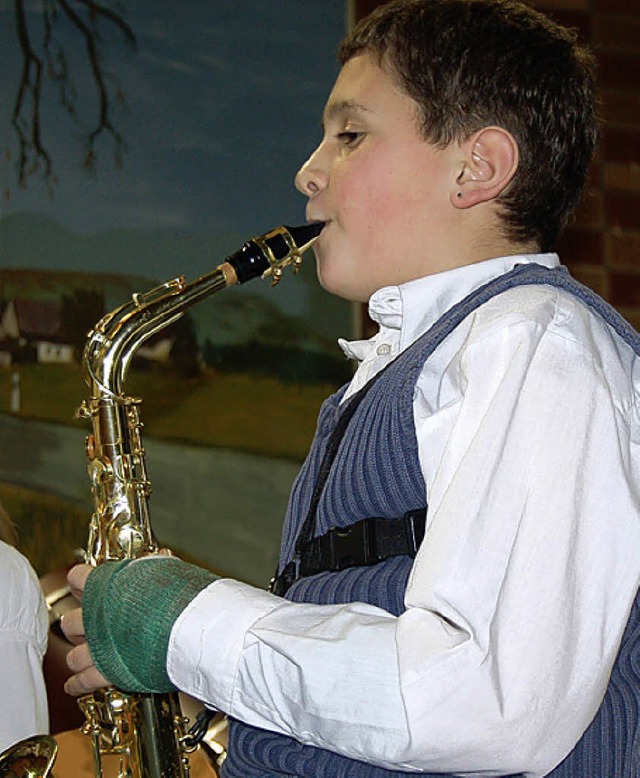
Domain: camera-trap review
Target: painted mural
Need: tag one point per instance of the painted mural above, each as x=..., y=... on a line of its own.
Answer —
x=140, y=142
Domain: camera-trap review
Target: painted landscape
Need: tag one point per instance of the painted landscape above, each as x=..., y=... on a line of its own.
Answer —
x=190, y=149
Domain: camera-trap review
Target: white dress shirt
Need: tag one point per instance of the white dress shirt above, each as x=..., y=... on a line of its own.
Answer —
x=24, y=627
x=527, y=419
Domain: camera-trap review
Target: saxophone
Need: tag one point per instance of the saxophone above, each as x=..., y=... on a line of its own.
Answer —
x=144, y=735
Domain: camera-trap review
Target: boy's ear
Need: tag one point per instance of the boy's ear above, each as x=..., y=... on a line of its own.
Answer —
x=489, y=161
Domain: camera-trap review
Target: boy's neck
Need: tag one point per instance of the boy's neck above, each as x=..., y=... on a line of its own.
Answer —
x=498, y=248
x=479, y=234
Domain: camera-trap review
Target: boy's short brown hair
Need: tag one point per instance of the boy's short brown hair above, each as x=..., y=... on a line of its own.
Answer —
x=475, y=63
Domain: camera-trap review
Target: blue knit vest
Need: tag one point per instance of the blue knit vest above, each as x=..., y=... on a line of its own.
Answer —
x=376, y=473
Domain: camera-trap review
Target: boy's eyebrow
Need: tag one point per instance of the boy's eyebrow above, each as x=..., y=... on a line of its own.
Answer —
x=340, y=108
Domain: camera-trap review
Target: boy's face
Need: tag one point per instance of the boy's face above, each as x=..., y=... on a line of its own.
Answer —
x=383, y=192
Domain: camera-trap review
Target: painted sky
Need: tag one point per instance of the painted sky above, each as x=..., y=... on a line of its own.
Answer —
x=223, y=105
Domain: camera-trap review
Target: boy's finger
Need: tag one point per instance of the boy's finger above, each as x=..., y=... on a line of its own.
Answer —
x=84, y=682
x=77, y=578
x=73, y=626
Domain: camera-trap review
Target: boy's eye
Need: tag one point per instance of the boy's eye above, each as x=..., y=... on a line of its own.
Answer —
x=349, y=138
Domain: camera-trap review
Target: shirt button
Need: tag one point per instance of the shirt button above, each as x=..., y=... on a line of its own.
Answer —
x=383, y=349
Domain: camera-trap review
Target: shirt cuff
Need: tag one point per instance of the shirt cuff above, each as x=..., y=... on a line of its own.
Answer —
x=210, y=632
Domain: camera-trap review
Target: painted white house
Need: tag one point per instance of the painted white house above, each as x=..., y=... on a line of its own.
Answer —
x=35, y=324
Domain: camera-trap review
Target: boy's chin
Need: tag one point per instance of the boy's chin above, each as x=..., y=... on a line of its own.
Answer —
x=332, y=277
x=342, y=290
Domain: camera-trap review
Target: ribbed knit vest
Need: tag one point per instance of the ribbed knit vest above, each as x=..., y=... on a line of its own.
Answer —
x=376, y=472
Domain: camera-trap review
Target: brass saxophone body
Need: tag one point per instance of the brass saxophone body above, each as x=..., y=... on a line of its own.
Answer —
x=144, y=735
x=30, y=758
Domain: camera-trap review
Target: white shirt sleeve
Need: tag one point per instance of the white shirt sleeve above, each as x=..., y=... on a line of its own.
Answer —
x=518, y=596
x=24, y=629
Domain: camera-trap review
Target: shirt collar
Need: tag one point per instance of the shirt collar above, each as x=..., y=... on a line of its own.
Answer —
x=413, y=307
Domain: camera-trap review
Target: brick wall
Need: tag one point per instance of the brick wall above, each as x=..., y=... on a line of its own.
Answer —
x=602, y=247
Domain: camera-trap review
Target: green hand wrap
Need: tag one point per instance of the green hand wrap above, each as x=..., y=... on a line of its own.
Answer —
x=129, y=609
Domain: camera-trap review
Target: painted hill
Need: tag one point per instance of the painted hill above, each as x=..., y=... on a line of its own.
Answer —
x=229, y=318
x=123, y=261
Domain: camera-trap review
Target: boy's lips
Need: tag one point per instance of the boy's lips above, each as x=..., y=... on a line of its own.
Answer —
x=314, y=219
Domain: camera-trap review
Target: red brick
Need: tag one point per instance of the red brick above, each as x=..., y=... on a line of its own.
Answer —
x=625, y=289
x=622, y=175
x=622, y=249
x=622, y=209
x=590, y=211
x=620, y=145
x=621, y=106
x=619, y=70
x=581, y=246
x=617, y=32
x=629, y=7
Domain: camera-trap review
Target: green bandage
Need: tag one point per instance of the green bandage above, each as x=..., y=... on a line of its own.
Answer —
x=129, y=609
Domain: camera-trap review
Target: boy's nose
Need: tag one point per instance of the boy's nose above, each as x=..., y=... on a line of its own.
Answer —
x=311, y=179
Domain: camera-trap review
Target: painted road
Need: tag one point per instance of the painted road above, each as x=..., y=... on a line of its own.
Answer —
x=224, y=507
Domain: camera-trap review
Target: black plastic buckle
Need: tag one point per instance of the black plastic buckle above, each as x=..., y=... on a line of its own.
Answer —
x=365, y=542
x=352, y=546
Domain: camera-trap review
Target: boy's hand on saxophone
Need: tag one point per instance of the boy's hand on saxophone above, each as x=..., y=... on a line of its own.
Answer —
x=131, y=600
x=87, y=677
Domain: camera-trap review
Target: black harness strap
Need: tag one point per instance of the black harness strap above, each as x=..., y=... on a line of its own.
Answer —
x=365, y=542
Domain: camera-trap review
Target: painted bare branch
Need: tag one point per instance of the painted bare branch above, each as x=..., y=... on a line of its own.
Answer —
x=48, y=60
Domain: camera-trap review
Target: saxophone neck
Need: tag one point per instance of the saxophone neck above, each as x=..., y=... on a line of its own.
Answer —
x=113, y=342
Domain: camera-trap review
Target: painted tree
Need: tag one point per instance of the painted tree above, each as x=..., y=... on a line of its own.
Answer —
x=42, y=27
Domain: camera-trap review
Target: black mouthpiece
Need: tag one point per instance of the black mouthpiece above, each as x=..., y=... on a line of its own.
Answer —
x=269, y=253
x=305, y=233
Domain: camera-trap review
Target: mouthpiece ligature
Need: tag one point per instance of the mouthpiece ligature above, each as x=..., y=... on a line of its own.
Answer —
x=268, y=254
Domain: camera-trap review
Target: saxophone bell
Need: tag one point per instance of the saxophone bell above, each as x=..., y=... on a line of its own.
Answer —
x=29, y=758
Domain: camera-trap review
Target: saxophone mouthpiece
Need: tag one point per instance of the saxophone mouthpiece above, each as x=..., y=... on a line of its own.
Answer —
x=306, y=234
x=268, y=254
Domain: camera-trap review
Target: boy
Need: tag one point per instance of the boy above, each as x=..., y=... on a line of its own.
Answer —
x=456, y=143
